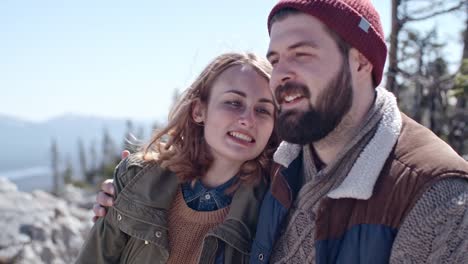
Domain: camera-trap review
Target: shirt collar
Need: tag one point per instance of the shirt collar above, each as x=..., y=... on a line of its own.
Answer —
x=218, y=194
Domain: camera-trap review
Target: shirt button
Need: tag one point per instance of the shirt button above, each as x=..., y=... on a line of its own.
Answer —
x=158, y=234
x=119, y=217
x=207, y=196
x=260, y=257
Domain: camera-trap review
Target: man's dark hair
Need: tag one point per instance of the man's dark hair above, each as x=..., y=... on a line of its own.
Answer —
x=343, y=46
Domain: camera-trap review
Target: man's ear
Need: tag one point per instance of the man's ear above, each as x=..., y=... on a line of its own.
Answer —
x=198, y=112
x=359, y=62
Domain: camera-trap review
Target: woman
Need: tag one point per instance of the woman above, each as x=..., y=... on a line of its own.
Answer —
x=192, y=195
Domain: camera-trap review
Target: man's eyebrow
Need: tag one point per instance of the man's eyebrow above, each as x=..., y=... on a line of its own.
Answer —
x=240, y=93
x=299, y=44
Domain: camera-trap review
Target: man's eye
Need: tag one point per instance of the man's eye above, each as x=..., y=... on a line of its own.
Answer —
x=301, y=54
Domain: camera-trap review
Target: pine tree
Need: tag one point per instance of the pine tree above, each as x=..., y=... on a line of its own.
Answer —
x=108, y=148
x=83, y=165
x=55, y=160
x=130, y=142
x=68, y=171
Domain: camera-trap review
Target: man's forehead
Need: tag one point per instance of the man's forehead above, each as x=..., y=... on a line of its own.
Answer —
x=285, y=41
x=287, y=33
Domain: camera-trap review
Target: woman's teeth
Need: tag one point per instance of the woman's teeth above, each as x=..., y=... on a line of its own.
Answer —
x=241, y=136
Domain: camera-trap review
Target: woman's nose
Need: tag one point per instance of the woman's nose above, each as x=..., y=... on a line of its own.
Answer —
x=247, y=118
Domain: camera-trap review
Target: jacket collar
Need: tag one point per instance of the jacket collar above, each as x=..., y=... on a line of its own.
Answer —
x=239, y=227
x=361, y=179
x=150, y=192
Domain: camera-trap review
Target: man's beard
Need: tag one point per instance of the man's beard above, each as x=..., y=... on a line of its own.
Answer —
x=333, y=103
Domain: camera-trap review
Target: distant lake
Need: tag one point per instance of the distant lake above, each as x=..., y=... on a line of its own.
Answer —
x=30, y=179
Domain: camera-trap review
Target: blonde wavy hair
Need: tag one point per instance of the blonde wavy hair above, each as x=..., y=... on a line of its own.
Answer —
x=180, y=145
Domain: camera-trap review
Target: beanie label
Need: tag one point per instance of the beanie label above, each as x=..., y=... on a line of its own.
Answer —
x=364, y=25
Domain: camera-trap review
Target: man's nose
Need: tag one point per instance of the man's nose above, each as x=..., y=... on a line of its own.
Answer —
x=282, y=73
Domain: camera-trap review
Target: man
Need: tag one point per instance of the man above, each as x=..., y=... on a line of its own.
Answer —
x=356, y=181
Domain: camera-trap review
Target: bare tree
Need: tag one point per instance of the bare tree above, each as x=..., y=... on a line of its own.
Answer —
x=458, y=135
x=405, y=12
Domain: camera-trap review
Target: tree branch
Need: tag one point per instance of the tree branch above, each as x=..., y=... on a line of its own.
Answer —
x=440, y=12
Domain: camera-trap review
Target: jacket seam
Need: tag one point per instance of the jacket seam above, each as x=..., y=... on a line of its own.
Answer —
x=289, y=202
x=419, y=171
x=424, y=187
x=138, y=202
x=228, y=242
x=242, y=223
x=139, y=219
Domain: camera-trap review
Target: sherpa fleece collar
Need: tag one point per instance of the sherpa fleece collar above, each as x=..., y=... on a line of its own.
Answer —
x=361, y=179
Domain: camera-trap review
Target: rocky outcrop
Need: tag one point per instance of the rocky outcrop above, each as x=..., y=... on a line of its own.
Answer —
x=38, y=227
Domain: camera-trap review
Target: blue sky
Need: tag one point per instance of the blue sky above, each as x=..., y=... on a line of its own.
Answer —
x=125, y=58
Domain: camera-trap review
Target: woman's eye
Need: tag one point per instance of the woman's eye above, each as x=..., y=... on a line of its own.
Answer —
x=263, y=111
x=233, y=103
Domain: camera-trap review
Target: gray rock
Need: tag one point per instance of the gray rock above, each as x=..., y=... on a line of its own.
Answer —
x=47, y=255
x=10, y=254
x=83, y=199
x=7, y=186
x=39, y=227
x=34, y=232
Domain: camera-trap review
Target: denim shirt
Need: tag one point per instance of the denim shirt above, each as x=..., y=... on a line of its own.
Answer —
x=200, y=198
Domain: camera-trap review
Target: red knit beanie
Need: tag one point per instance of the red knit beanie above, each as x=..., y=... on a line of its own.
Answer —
x=356, y=21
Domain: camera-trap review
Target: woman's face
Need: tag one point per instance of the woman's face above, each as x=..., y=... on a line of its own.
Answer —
x=239, y=118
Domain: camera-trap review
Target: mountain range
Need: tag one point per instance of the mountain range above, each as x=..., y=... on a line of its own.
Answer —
x=27, y=144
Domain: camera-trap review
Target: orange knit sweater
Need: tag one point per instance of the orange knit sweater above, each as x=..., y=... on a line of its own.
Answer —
x=187, y=228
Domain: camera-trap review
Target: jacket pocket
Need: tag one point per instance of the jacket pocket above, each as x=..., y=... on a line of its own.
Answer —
x=139, y=252
x=152, y=232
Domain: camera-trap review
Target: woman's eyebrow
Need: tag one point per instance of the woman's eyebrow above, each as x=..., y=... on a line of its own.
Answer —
x=237, y=92
x=240, y=93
